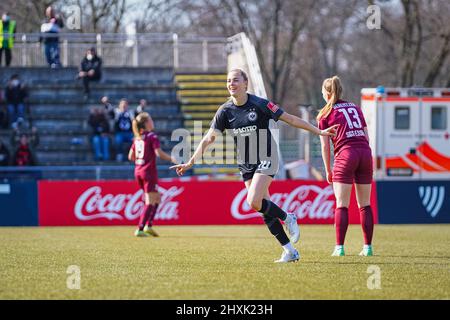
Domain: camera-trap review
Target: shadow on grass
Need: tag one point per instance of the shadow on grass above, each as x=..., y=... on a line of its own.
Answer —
x=420, y=257
x=370, y=262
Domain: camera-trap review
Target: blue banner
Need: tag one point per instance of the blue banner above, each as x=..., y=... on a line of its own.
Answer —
x=413, y=201
x=18, y=203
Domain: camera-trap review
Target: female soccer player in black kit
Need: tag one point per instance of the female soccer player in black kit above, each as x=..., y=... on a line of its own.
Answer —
x=246, y=117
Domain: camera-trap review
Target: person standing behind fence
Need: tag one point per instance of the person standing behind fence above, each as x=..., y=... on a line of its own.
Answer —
x=90, y=70
x=50, y=30
x=7, y=32
x=123, y=128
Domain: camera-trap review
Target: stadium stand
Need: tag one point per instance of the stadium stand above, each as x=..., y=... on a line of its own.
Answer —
x=57, y=108
x=200, y=95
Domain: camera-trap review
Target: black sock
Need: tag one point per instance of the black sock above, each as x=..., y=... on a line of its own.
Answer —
x=276, y=229
x=268, y=208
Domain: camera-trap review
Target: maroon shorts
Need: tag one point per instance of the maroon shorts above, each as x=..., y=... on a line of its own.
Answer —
x=147, y=184
x=353, y=165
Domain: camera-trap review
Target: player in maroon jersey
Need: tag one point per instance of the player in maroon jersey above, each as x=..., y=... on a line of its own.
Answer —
x=143, y=152
x=352, y=162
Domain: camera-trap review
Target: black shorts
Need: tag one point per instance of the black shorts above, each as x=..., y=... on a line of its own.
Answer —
x=264, y=167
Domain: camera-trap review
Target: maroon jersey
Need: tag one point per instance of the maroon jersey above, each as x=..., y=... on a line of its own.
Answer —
x=350, y=132
x=144, y=151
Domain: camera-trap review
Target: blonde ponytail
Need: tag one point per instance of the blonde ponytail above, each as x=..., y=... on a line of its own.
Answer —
x=332, y=86
x=138, y=124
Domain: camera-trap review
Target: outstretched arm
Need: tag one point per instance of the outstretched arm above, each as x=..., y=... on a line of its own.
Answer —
x=206, y=141
x=296, y=122
x=164, y=155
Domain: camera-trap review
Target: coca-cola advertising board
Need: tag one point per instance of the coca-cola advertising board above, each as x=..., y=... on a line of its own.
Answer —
x=89, y=203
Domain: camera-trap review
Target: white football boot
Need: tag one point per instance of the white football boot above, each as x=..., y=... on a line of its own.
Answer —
x=366, y=251
x=338, y=251
x=292, y=227
x=288, y=257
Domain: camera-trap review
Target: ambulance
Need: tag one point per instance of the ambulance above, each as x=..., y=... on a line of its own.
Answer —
x=409, y=132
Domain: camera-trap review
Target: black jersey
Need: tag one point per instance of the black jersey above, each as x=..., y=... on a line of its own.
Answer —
x=249, y=126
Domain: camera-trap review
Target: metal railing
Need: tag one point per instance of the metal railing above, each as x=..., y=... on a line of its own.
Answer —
x=98, y=172
x=121, y=50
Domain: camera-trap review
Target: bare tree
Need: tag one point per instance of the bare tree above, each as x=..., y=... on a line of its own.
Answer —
x=28, y=14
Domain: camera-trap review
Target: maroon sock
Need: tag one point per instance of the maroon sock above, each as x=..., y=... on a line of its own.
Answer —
x=145, y=215
x=152, y=215
x=366, y=216
x=341, y=224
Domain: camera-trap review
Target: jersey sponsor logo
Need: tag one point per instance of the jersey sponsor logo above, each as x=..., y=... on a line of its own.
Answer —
x=245, y=131
x=272, y=107
x=92, y=205
x=432, y=199
x=252, y=116
x=307, y=201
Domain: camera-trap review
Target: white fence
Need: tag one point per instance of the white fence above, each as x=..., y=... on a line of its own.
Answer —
x=146, y=50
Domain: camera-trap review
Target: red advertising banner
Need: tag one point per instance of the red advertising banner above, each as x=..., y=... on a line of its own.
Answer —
x=89, y=203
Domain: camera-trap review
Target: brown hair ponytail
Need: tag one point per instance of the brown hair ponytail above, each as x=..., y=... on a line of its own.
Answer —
x=139, y=123
x=332, y=86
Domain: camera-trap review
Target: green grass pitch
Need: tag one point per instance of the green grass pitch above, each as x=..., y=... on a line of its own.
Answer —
x=221, y=262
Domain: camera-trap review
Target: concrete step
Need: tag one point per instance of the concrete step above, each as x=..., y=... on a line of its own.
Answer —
x=199, y=107
x=76, y=84
x=205, y=100
x=95, y=98
x=199, y=115
x=130, y=75
x=75, y=125
x=67, y=135
x=77, y=95
x=202, y=85
x=201, y=77
x=203, y=93
x=57, y=157
x=155, y=109
x=190, y=123
x=76, y=157
x=35, y=116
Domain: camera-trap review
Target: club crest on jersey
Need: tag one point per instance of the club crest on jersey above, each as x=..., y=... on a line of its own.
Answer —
x=272, y=107
x=252, y=116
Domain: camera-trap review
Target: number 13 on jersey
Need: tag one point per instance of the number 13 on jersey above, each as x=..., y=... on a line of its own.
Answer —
x=352, y=117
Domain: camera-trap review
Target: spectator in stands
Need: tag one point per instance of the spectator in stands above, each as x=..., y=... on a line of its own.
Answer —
x=24, y=155
x=109, y=111
x=3, y=116
x=49, y=37
x=16, y=96
x=7, y=34
x=4, y=154
x=100, y=133
x=141, y=107
x=122, y=128
x=90, y=70
x=19, y=130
